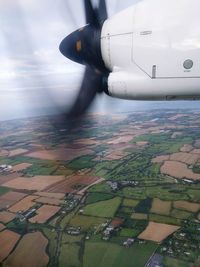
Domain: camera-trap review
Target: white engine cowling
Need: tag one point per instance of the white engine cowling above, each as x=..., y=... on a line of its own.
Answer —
x=153, y=50
x=138, y=86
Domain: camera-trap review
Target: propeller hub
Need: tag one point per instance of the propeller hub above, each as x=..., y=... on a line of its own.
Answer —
x=84, y=46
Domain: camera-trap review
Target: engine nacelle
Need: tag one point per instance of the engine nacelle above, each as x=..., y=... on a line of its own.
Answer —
x=153, y=50
x=137, y=86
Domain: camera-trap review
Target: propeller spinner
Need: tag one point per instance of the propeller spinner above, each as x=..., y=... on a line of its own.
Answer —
x=84, y=46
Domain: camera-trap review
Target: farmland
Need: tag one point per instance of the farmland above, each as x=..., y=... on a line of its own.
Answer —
x=44, y=213
x=112, y=192
x=105, y=208
x=23, y=204
x=6, y=216
x=86, y=222
x=34, y=183
x=8, y=199
x=157, y=232
x=99, y=254
x=72, y=184
x=161, y=207
x=30, y=251
x=8, y=240
x=178, y=170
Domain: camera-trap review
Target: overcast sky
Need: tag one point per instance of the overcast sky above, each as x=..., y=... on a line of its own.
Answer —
x=30, y=62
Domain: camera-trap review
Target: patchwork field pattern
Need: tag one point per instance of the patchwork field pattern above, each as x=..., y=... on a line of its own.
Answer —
x=111, y=192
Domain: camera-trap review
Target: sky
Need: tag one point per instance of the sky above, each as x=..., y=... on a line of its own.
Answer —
x=31, y=64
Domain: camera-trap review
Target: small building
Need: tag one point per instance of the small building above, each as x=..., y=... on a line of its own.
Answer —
x=128, y=242
x=5, y=168
x=116, y=222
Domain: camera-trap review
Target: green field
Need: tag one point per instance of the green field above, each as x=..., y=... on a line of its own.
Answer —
x=164, y=219
x=171, y=262
x=127, y=202
x=70, y=251
x=3, y=190
x=71, y=238
x=41, y=169
x=82, y=163
x=52, y=237
x=102, y=187
x=112, y=255
x=166, y=192
x=105, y=208
x=133, y=192
x=194, y=195
x=69, y=255
x=86, y=222
x=128, y=232
x=181, y=214
x=95, y=197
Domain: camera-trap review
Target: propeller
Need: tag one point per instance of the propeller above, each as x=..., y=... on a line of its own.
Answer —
x=84, y=47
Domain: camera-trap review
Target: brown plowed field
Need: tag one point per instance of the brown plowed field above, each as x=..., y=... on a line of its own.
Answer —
x=161, y=207
x=87, y=141
x=24, y=204
x=142, y=143
x=7, y=178
x=187, y=158
x=44, y=214
x=160, y=159
x=38, y=183
x=4, y=153
x=51, y=195
x=157, y=232
x=6, y=216
x=197, y=143
x=8, y=240
x=116, y=155
x=30, y=252
x=121, y=139
x=60, y=154
x=186, y=148
x=185, y=205
x=2, y=227
x=48, y=200
x=70, y=184
x=195, y=151
x=17, y=152
x=21, y=167
x=10, y=198
x=178, y=170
